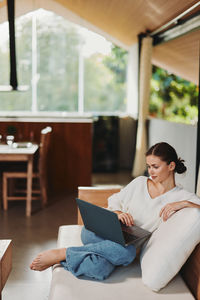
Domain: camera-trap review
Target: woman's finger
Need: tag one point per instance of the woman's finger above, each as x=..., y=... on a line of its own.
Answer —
x=126, y=219
x=131, y=220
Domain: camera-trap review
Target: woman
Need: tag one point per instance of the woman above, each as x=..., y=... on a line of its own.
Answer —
x=144, y=202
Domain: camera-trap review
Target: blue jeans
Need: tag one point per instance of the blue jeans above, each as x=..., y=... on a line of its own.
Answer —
x=98, y=257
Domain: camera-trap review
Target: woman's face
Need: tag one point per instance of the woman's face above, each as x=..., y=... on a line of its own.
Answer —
x=159, y=170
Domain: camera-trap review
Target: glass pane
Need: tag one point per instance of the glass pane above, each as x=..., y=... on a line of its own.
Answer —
x=4, y=54
x=11, y=101
x=105, y=81
x=58, y=44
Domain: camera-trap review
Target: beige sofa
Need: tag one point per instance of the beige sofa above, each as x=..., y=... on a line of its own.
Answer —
x=124, y=282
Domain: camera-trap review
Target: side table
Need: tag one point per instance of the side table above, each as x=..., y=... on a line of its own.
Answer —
x=5, y=262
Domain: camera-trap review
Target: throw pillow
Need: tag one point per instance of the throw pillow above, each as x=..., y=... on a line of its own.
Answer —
x=169, y=247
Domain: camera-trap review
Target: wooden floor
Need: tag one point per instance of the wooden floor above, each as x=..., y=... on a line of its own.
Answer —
x=38, y=233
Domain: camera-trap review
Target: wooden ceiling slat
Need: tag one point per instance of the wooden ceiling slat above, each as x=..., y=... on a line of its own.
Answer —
x=124, y=20
x=180, y=56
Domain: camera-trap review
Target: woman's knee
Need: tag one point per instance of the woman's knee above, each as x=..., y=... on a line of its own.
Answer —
x=88, y=237
x=96, y=267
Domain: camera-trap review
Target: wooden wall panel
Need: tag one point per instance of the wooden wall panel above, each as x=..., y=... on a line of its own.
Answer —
x=70, y=152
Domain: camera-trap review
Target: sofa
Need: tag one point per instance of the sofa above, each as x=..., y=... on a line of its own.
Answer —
x=125, y=282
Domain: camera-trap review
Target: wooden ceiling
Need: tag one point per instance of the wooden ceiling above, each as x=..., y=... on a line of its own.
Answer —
x=125, y=19
x=180, y=56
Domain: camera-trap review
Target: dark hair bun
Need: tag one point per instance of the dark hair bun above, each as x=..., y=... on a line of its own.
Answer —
x=180, y=167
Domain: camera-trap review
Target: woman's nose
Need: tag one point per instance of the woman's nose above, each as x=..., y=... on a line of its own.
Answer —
x=151, y=172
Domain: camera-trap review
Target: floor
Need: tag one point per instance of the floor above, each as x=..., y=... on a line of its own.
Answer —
x=38, y=233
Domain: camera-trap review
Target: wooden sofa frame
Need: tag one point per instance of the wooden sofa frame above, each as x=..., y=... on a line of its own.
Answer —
x=191, y=269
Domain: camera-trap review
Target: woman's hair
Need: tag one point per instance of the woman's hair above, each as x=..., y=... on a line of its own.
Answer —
x=168, y=154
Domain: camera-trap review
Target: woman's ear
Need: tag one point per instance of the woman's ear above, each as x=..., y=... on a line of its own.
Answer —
x=172, y=166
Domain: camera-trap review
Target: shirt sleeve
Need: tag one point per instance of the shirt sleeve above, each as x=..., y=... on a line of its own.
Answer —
x=188, y=196
x=116, y=201
x=194, y=199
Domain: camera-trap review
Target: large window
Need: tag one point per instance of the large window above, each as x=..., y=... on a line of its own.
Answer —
x=67, y=67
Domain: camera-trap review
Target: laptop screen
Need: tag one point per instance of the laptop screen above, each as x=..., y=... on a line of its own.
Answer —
x=101, y=221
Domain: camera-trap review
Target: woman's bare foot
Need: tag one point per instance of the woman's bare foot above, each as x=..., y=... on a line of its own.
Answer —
x=47, y=259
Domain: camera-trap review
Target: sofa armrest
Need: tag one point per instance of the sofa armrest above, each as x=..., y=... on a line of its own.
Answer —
x=96, y=195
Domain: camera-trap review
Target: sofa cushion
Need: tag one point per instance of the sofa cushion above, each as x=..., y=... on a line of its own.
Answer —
x=123, y=282
x=169, y=247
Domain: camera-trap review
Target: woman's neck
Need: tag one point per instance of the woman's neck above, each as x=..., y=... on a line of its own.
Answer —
x=166, y=185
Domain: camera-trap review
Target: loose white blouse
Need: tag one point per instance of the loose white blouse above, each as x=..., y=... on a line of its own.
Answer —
x=135, y=199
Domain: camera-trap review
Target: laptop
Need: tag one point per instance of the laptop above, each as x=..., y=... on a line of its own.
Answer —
x=106, y=224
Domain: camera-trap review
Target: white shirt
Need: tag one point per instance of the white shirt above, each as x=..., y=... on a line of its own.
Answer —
x=136, y=200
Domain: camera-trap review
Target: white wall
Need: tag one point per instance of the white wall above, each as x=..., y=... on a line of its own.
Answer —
x=183, y=138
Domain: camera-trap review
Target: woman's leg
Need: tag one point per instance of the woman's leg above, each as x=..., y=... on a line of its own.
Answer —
x=50, y=257
x=97, y=260
x=47, y=259
x=89, y=237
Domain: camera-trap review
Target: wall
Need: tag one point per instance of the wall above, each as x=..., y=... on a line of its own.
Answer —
x=183, y=138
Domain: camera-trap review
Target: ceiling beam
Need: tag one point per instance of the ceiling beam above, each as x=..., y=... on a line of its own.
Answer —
x=11, y=22
x=181, y=28
x=13, y=62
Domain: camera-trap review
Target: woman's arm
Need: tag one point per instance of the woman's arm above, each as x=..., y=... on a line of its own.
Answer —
x=171, y=208
x=125, y=218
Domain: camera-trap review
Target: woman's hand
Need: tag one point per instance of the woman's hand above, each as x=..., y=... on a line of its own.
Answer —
x=126, y=219
x=170, y=208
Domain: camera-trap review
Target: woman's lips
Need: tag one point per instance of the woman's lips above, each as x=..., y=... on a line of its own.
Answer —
x=153, y=177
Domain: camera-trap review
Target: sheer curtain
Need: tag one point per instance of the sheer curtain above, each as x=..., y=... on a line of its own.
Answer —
x=144, y=92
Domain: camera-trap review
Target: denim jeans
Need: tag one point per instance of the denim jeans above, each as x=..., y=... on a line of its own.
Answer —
x=97, y=258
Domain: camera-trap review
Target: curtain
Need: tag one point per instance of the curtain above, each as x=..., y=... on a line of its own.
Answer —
x=144, y=92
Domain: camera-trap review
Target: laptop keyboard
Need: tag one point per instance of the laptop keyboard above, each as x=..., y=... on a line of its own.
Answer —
x=129, y=237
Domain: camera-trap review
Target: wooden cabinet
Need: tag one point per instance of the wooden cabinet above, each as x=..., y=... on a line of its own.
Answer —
x=70, y=150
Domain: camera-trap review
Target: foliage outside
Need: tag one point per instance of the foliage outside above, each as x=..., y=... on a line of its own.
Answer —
x=59, y=44
x=108, y=86
x=173, y=98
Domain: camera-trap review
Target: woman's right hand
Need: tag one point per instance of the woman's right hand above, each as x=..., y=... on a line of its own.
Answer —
x=126, y=219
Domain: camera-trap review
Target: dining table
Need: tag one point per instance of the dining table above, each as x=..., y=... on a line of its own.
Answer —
x=21, y=152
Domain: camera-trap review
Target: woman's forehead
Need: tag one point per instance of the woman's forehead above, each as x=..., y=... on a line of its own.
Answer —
x=152, y=159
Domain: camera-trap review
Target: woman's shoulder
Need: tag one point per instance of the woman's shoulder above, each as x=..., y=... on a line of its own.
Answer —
x=185, y=194
x=137, y=183
x=139, y=180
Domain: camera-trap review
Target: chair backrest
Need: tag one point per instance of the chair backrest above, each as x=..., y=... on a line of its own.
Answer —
x=95, y=195
x=42, y=163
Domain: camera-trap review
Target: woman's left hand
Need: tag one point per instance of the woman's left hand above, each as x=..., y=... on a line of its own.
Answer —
x=170, y=208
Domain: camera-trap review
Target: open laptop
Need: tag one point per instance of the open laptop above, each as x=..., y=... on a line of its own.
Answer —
x=106, y=224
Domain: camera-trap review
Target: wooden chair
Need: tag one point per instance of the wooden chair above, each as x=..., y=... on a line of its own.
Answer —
x=96, y=195
x=38, y=192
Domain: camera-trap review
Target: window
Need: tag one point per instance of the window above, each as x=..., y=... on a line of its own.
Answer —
x=67, y=67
